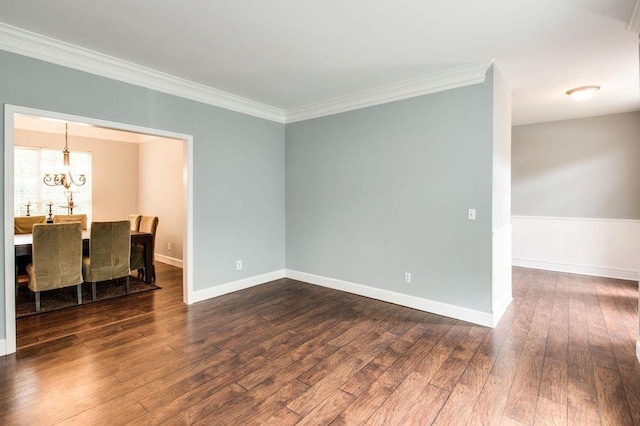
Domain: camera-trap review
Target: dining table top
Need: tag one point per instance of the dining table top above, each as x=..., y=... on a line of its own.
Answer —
x=23, y=244
x=27, y=239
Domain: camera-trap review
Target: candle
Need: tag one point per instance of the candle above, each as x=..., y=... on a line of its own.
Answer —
x=28, y=203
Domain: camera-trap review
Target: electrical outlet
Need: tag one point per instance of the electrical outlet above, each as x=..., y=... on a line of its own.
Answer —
x=238, y=265
x=168, y=246
x=471, y=215
x=407, y=277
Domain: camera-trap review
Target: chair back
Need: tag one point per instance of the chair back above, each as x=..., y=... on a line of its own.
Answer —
x=109, y=250
x=135, y=221
x=24, y=224
x=82, y=218
x=149, y=224
x=57, y=256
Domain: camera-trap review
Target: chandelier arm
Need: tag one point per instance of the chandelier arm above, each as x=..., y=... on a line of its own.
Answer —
x=55, y=180
x=64, y=179
x=81, y=179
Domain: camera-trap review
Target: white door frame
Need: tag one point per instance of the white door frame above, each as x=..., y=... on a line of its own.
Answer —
x=9, y=344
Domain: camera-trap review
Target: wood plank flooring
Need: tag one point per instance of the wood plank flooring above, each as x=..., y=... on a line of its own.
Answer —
x=287, y=352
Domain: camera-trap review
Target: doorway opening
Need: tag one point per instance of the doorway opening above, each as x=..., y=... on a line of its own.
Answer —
x=152, y=139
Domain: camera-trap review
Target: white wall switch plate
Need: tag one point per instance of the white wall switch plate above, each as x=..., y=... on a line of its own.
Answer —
x=472, y=214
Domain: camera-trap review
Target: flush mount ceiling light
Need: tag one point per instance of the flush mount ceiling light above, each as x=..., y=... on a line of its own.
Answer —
x=583, y=93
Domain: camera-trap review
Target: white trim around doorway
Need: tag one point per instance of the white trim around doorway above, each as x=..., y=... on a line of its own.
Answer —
x=8, y=346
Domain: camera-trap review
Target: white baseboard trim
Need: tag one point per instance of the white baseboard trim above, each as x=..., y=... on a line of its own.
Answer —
x=168, y=260
x=439, y=308
x=219, y=290
x=621, y=274
x=3, y=347
x=501, y=307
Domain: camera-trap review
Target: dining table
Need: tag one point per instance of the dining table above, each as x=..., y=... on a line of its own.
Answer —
x=24, y=244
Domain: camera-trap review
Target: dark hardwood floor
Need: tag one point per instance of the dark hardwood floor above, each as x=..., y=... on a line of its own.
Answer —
x=287, y=352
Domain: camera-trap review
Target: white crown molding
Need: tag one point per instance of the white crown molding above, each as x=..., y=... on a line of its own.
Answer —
x=16, y=40
x=634, y=21
x=451, y=78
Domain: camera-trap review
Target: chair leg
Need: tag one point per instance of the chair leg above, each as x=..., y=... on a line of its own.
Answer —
x=37, y=301
x=153, y=274
x=79, y=288
x=93, y=291
x=127, y=284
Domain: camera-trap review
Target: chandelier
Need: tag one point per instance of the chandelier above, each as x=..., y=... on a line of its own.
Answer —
x=65, y=178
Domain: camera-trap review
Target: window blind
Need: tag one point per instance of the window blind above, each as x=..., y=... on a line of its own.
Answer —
x=30, y=166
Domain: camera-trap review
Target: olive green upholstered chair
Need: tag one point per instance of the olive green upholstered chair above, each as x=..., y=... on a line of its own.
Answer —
x=135, y=221
x=57, y=259
x=82, y=218
x=24, y=224
x=147, y=224
x=109, y=251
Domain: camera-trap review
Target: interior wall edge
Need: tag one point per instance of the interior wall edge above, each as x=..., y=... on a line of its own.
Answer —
x=501, y=271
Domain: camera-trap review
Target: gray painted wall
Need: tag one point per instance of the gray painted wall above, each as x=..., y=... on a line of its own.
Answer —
x=377, y=192
x=587, y=167
x=238, y=164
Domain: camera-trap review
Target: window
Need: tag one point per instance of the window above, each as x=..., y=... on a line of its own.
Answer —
x=30, y=166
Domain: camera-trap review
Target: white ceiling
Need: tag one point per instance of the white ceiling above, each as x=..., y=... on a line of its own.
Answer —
x=294, y=53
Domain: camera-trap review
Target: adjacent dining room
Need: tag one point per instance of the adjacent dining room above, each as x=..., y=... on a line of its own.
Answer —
x=98, y=223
